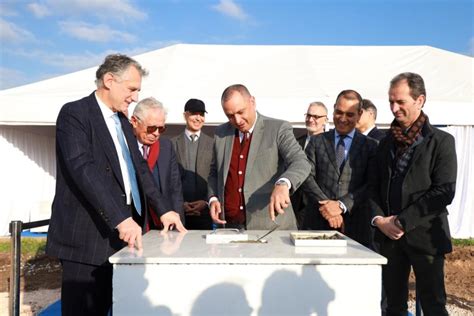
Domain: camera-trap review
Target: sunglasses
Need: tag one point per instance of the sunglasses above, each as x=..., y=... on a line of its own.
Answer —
x=316, y=117
x=152, y=129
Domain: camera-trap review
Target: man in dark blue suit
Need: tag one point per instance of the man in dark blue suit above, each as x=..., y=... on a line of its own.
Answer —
x=366, y=123
x=102, y=187
x=148, y=121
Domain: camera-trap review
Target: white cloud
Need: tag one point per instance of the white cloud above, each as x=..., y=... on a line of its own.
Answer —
x=11, y=33
x=95, y=33
x=39, y=10
x=10, y=78
x=111, y=9
x=230, y=8
x=62, y=61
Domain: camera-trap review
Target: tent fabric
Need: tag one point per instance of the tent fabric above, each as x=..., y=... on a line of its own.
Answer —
x=283, y=79
x=461, y=215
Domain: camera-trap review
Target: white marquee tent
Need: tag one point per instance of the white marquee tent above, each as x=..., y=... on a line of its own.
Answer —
x=284, y=80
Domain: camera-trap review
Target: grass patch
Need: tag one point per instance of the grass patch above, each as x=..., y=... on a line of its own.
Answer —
x=463, y=242
x=29, y=246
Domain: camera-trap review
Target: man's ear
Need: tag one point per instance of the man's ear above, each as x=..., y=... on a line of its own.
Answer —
x=421, y=101
x=108, y=79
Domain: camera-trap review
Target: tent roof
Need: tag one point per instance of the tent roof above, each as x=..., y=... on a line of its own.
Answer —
x=283, y=79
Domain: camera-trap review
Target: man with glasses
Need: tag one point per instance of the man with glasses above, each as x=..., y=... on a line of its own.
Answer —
x=194, y=154
x=316, y=118
x=102, y=185
x=341, y=161
x=148, y=122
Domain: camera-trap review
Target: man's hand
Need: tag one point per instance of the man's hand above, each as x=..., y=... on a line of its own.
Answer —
x=215, y=211
x=131, y=233
x=189, y=211
x=198, y=206
x=388, y=227
x=170, y=220
x=335, y=221
x=329, y=208
x=279, y=200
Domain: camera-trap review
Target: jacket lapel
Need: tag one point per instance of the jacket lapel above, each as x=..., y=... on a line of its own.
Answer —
x=228, y=143
x=330, y=151
x=105, y=139
x=257, y=136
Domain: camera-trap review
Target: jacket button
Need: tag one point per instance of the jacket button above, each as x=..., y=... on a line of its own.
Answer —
x=107, y=168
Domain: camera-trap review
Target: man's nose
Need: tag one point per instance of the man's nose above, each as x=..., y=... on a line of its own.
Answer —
x=135, y=96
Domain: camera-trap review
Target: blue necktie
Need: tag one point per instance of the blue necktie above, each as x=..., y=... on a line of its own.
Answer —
x=130, y=167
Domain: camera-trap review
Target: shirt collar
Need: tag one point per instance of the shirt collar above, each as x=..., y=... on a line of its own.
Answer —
x=350, y=134
x=188, y=133
x=106, y=111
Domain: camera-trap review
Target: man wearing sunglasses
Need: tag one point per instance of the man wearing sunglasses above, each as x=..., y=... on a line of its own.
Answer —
x=148, y=122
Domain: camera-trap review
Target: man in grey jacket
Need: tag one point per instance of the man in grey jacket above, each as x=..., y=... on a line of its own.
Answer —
x=256, y=163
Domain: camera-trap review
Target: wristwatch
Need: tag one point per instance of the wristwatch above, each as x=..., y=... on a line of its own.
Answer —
x=281, y=182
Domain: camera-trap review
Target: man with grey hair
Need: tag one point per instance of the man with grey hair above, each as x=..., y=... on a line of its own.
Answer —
x=316, y=118
x=102, y=187
x=148, y=122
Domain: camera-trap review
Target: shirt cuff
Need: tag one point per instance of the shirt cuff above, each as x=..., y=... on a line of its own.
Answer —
x=343, y=207
x=212, y=199
x=288, y=183
x=372, y=222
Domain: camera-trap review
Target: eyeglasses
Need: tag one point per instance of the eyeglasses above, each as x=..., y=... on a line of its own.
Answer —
x=152, y=129
x=314, y=116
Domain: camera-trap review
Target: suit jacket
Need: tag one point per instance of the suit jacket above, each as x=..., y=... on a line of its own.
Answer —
x=428, y=187
x=90, y=199
x=166, y=171
x=203, y=165
x=274, y=153
x=203, y=161
x=298, y=198
x=376, y=134
x=327, y=182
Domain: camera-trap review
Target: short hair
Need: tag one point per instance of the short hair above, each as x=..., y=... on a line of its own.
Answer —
x=147, y=104
x=369, y=106
x=117, y=64
x=350, y=95
x=320, y=104
x=415, y=83
x=229, y=91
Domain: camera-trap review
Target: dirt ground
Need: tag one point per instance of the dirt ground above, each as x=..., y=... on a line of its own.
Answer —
x=45, y=273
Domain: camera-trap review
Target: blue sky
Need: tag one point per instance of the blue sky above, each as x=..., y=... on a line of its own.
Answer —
x=40, y=39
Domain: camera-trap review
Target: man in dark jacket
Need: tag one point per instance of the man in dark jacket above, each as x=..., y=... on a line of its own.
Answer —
x=414, y=182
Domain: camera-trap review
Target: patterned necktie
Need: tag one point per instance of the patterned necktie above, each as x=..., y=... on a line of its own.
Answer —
x=193, y=137
x=128, y=160
x=340, y=152
x=146, y=150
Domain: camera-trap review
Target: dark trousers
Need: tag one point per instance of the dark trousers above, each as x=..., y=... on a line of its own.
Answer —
x=429, y=273
x=86, y=289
